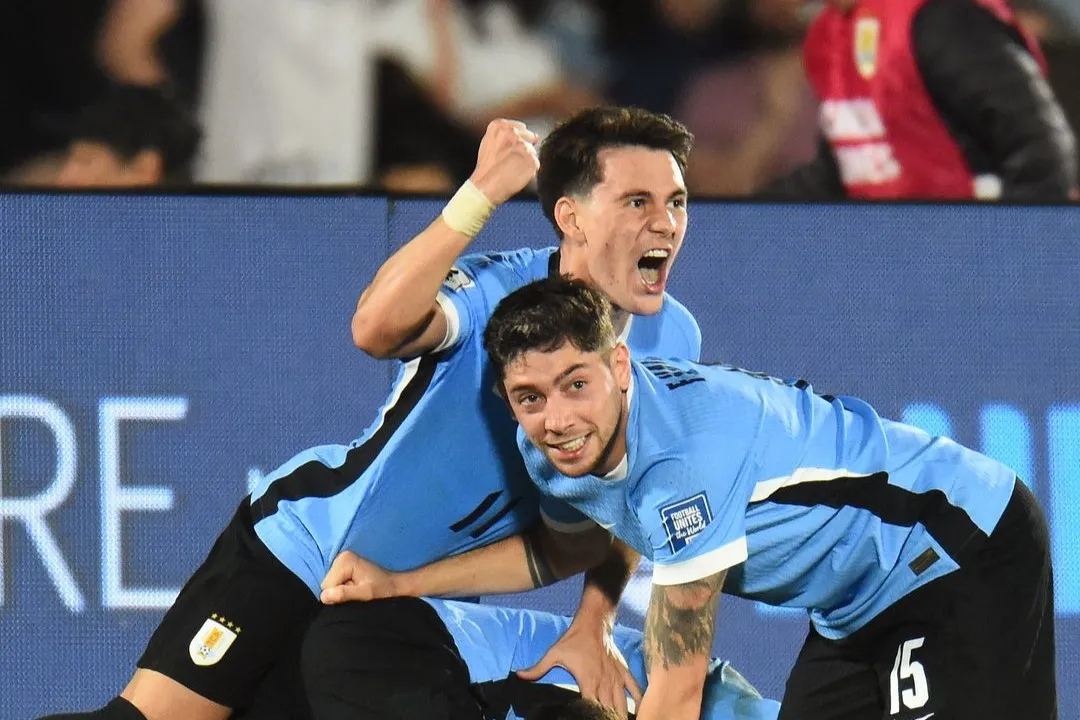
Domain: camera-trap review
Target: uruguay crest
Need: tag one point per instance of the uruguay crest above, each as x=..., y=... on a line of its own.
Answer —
x=867, y=39
x=212, y=641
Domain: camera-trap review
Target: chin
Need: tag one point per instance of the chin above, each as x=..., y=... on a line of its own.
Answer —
x=644, y=304
x=574, y=470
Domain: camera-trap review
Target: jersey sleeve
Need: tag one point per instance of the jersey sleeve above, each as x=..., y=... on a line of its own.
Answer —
x=694, y=530
x=472, y=289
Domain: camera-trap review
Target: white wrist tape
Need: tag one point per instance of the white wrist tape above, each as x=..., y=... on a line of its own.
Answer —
x=468, y=210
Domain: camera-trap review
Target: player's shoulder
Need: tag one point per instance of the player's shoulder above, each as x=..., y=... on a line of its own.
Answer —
x=673, y=308
x=684, y=318
x=522, y=262
x=687, y=396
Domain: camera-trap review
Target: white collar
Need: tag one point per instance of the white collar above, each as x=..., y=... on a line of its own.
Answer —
x=624, y=336
x=623, y=468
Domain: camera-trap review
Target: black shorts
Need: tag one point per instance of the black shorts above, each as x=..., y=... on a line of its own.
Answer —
x=977, y=643
x=395, y=659
x=237, y=625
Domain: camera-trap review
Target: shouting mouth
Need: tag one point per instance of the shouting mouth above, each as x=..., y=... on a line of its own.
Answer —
x=653, y=268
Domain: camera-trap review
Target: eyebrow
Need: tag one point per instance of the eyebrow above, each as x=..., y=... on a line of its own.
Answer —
x=528, y=387
x=681, y=192
x=569, y=371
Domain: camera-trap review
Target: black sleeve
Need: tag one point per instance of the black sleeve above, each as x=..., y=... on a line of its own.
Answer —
x=817, y=180
x=996, y=102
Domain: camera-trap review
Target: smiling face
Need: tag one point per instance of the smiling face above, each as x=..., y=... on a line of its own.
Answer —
x=571, y=405
x=624, y=235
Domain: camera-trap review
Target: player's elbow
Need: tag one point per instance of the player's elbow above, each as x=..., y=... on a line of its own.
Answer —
x=372, y=336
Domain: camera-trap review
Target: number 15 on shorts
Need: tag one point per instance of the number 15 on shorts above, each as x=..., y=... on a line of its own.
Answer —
x=907, y=682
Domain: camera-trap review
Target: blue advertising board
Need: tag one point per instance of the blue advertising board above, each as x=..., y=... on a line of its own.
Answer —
x=158, y=353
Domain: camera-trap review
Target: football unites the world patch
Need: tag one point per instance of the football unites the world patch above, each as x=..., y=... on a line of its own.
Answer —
x=684, y=520
x=213, y=640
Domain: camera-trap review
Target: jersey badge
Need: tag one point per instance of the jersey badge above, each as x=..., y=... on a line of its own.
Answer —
x=684, y=520
x=867, y=38
x=213, y=640
x=457, y=280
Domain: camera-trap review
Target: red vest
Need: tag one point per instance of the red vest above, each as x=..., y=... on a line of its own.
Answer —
x=877, y=115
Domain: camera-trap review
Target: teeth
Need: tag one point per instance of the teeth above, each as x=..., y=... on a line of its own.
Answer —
x=572, y=445
x=658, y=253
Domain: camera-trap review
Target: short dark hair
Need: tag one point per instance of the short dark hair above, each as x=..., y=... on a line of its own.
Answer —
x=569, y=162
x=579, y=709
x=546, y=314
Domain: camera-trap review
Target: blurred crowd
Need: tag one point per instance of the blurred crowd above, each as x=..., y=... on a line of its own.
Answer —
x=395, y=94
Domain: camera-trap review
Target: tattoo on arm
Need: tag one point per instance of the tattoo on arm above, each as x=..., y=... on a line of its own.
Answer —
x=539, y=569
x=681, y=621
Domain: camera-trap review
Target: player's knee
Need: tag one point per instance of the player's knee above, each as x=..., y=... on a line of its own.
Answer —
x=117, y=709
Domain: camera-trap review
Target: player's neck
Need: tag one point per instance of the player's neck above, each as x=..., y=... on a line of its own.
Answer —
x=576, y=265
x=614, y=465
x=619, y=320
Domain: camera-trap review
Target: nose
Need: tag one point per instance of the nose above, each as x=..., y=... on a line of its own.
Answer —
x=663, y=220
x=558, y=419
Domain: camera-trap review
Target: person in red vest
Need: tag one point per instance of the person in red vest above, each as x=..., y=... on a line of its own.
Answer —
x=931, y=99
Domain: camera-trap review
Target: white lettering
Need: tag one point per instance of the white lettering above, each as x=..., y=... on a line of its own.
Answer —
x=116, y=499
x=31, y=511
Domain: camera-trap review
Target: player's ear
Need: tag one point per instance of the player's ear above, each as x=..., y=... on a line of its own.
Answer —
x=568, y=218
x=620, y=365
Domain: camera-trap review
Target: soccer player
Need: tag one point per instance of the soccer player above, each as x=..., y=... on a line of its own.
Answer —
x=438, y=472
x=931, y=99
x=925, y=566
x=470, y=652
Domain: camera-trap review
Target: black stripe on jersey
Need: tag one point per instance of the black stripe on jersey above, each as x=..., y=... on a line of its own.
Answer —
x=494, y=518
x=946, y=523
x=313, y=479
x=480, y=509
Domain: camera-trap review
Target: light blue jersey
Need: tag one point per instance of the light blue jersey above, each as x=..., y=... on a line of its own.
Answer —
x=496, y=641
x=438, y=472
x=832, y=508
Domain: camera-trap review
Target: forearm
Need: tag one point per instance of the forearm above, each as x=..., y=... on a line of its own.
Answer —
x=499, y=568
x=605, y=583
x=516, y=564
x=668, y=701
x=679, y=629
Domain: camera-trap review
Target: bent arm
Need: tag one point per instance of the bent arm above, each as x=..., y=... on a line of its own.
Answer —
x=520, y=563
x=397, y=314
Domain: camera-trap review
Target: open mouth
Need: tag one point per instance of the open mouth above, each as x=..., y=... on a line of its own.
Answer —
x=652, y=265
x=569, y=449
